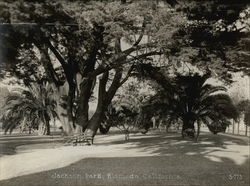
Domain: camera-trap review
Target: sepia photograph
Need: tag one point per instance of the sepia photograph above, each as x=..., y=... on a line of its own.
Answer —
x=124, y=92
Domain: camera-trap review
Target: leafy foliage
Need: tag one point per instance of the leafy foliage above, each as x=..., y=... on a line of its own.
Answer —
x=216, y=36
x=125, y=108
x=29, y=108
x=3, y=93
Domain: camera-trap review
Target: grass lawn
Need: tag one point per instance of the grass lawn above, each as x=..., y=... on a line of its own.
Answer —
x=153, y=159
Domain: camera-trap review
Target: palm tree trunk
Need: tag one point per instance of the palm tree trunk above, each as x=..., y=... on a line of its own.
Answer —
x=238, y=127
x=233, y=126
x=47, y=129
x=41, y=129
x=246, y=130
x=47, y=124
x=188, y=125
x=198, y=131
x=153, y=119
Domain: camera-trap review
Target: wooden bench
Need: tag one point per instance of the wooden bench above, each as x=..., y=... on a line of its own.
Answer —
x=81, y=140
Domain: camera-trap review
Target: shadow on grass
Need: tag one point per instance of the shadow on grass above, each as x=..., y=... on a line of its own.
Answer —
x=173, y=144
x=215, y=160
x=140, y=171
x=9, y=143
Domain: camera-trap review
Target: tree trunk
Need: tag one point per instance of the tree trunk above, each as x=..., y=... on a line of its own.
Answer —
x=238, y=127
x=94, y=123
x=198, y=131
x=47, y=130
x=126, y=132
x=88, y=83
x=70, y=104
x=188, y=126
x=154, y=122
x=104, y=99
x=233, y=126
x=67, y=127
x=246, y=130
x=47, y=125
x=41, y=129
x=82, y=116
x=167, y=127
x=63, y=111
x=104, y=128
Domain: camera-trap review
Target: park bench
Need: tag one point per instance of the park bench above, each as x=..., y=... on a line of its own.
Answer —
x=81, y=140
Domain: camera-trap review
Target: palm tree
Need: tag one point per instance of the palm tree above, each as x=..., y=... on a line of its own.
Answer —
x=195, y=101
x=32, y=109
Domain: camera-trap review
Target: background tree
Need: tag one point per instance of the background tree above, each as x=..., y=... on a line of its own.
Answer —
x=124, y=110
x=190, y=99
x=244, y=108
x=122, y=118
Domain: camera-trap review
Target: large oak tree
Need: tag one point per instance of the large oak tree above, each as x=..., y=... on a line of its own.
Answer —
x=77, y=42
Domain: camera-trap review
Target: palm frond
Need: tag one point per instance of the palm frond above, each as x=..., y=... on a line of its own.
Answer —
x=27, y=107
x=209, y=89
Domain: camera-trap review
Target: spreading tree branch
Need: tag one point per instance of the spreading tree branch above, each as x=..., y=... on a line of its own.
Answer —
x=127, y=76
x=115, y=84
x=58, y=55
x=121, y=61
x=48, y=66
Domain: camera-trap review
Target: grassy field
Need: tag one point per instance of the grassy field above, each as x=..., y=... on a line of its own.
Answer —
x=153, y=159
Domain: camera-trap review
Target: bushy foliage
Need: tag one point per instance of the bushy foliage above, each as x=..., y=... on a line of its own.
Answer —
x=29, y=109
x=124, y=111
